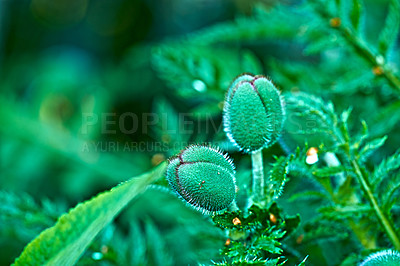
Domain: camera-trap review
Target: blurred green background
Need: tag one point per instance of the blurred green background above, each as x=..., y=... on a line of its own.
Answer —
x=84, y=105
x=64, y=63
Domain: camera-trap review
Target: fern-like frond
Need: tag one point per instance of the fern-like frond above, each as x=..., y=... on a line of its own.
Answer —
x=370, y=147
x=389, y=33
x=65, y=242
x=264, y=25
x=389, y=192
x=385, y=169
x=306, y=114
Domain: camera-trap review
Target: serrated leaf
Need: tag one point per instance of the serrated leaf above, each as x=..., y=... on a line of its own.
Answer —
x=389, y=33
x=269, y=244
x=278, y=176
x=385, y=168
x=320, y=115
x=329, y=171
x=274, y=24
x=371, y=147
x=254, y=262
x=258, y=219
x=388, y=198
x=64, y=243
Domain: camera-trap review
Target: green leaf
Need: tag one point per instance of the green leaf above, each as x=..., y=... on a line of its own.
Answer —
x=388, y=196
x=258, y=220
x=303, y=263
x=201, y=71
x=329, y=171
x=337, y=212
x=356, y=12
x=323, y=230
x=318, y=46
x=386, y=167
x=137, y=239
x=64, y=243
x=309, y=195
x=371, y=147
x=269, y=243
x=274, y=24
x=278, y=176
x=23, y=218
x=360, y=138
x=250, y=261
x=288, y=223
x=388, y=35
x=386, y=119
x=306, y=113
x=157, y=245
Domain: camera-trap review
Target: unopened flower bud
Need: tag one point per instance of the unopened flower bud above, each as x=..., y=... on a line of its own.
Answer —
x=204, y=177
x=253, y=113
x=385, y=257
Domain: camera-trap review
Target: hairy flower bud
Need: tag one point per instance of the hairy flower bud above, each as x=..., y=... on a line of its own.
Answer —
x=253, y=113
x=385, y=257
x=204, y=177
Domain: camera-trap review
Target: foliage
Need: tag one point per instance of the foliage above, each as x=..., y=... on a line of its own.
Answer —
x=75, y=122
x=65, y=242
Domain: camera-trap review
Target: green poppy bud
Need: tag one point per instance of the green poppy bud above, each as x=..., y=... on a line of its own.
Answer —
x=204, y=177
x=253, y=113
x=385, y=257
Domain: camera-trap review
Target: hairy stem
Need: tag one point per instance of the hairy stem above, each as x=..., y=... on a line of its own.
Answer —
x=258, y=176
x=387, y=225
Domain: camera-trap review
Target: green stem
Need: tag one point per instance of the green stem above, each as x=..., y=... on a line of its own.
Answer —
x=387, y=225
x=363, y=49
x=258, y=176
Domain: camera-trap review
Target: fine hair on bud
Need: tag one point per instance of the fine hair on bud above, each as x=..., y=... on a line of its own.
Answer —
x=385, y=257
x=253, y=113
x=204, y=177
